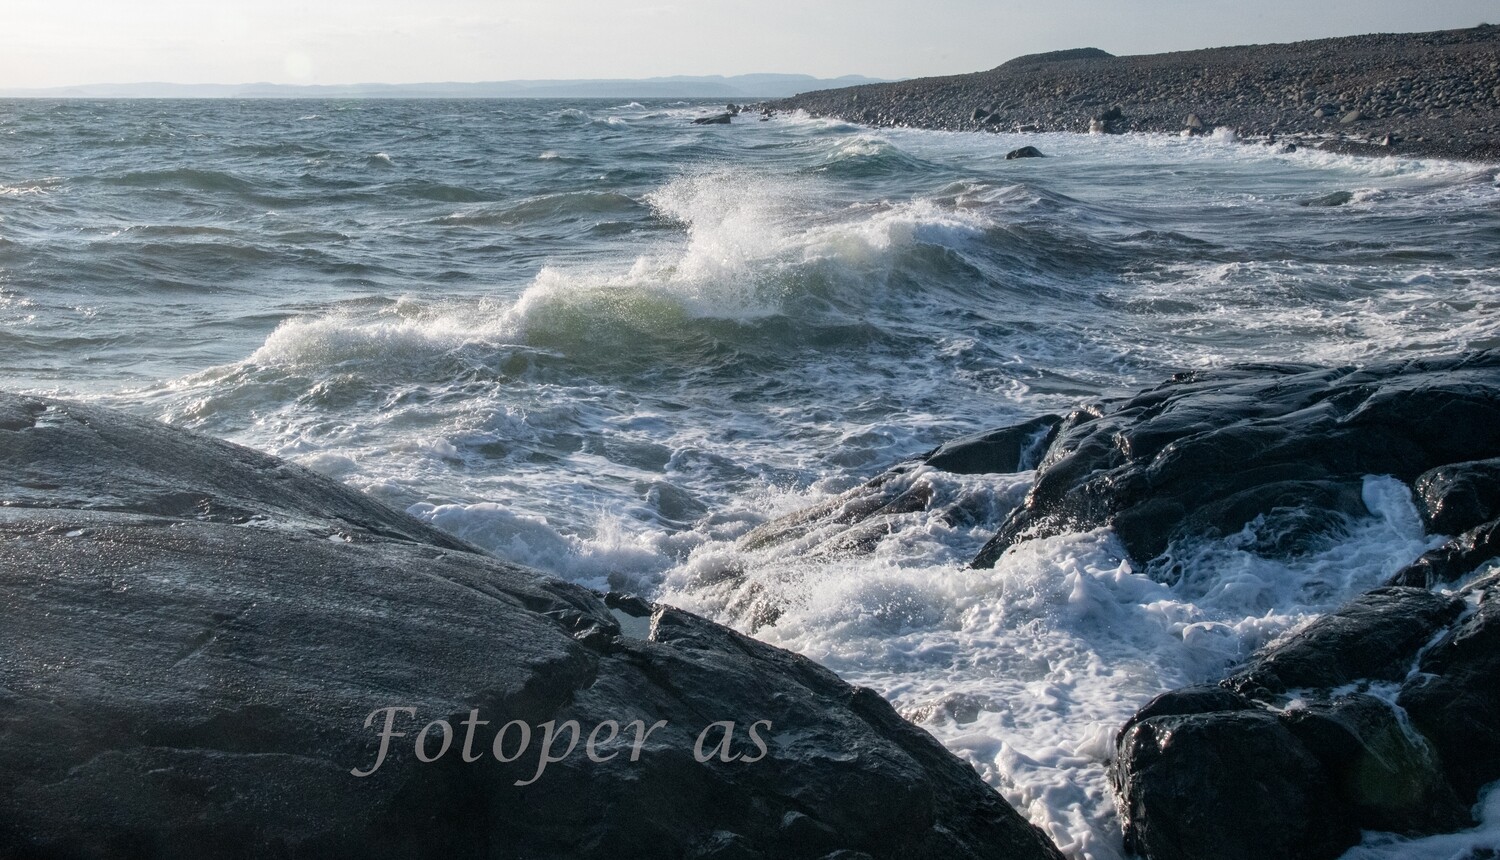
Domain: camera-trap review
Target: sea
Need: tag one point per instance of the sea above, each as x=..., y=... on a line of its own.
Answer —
x=597, y=339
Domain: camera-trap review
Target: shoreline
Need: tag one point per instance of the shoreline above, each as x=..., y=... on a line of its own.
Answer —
x=1421, y=95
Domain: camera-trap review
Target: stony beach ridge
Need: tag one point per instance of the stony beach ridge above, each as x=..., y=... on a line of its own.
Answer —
x=1419, y=94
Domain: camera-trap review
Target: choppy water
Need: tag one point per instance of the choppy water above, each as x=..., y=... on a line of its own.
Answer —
x=596, y=339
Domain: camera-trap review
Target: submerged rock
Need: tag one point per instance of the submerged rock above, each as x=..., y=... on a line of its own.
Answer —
x=202, y=645
x=1281, y=448
x=902, y=490
x=1328, y=201
x=716, y=119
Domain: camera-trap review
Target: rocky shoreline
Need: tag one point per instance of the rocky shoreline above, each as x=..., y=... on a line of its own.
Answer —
x=200, y=646
x=202, y=642
x=1420, y=94
x=1380, y=716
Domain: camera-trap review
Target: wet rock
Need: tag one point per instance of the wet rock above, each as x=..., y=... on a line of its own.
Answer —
x=1176, y=804
x=1373, y=637
x=1380, y=716
x=1387, y=774
x=716, y=119
x=1459, y=496
x=1009, y=449
x=1024, y=152
x=1282, y=448
x=195, y=635
x=1455, y=698
x=1453, y=560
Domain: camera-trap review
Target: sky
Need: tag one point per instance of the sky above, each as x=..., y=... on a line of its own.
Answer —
x=66, y=42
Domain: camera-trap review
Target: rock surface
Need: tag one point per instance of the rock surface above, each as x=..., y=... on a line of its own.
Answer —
x=1434, y=93
x=194, y=635
x=1380, y=716
x=1282, y=447
x=901, y=489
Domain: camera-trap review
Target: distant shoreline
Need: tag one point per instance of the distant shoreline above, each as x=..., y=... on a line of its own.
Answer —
x=1419, y=94
x=735, y=87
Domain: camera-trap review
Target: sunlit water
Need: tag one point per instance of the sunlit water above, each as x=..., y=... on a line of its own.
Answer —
x=596, y=339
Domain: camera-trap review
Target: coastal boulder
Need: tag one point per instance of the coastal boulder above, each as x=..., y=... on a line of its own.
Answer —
x=1283, y=449
x=1288, y=758
x=203, y=646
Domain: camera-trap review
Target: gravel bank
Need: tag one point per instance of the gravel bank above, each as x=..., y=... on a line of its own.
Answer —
x=1424, y=94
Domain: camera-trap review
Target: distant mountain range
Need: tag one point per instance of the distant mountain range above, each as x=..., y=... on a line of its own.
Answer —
x=678, y=86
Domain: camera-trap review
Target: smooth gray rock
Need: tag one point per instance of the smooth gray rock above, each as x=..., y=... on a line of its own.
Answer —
x=192, y=636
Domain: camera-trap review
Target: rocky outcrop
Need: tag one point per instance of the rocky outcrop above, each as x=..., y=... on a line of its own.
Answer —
x=864, y=510
x=1284, y=448
x=1463, y=500
x=1380, y=716
x=202, y=646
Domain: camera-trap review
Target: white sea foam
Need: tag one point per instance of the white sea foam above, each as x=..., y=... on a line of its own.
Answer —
x=1028, y=669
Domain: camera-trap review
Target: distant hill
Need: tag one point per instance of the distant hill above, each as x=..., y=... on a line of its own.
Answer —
x=677, y=86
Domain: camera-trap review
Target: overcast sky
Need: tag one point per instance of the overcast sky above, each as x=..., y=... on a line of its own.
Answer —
x=60, y=42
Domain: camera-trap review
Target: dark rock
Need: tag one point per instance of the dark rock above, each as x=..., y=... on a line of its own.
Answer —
x=1453, y=560
x=190, y=675
x=1459, y=496
x=1009, y=449
x=1373, y=637
x=1455, y=700
x=1286, y=447
x=1186, y=759
x=1227, y=785
x=1387, y=774
x=716, y=119
x=1024, y=152
x=1187, y=702
x=1114, y=114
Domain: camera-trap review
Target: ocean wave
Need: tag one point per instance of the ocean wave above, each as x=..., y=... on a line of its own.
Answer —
x=183, y=177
